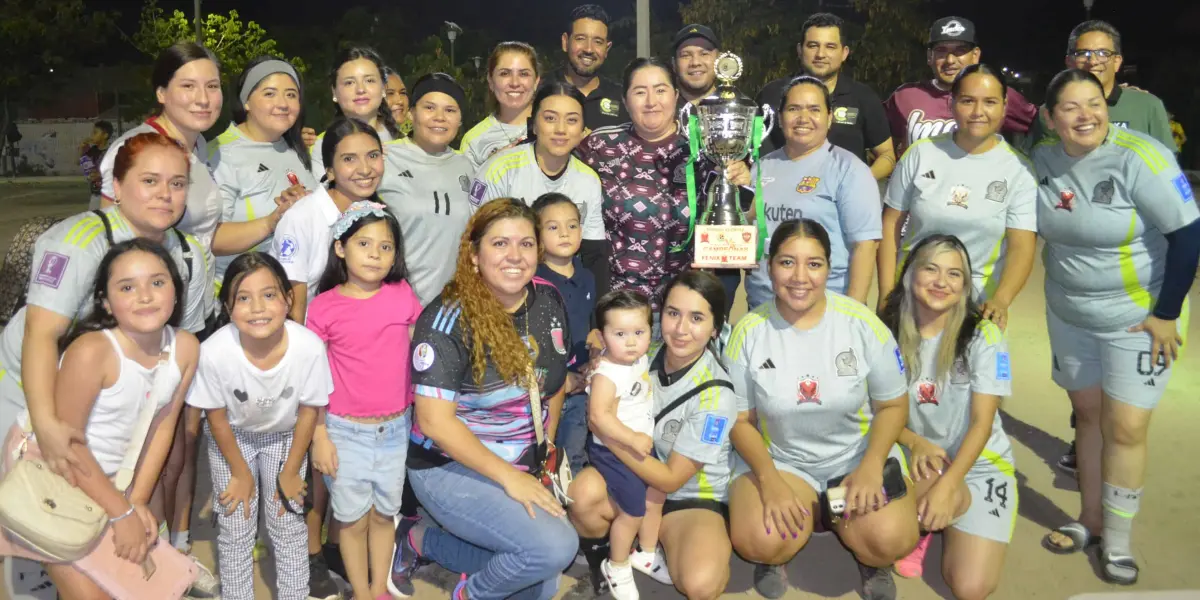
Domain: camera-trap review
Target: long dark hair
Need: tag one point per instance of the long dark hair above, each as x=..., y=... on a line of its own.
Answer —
x=292, y=136
x=239, y=269
x=384, y=113
x=982, y=69
x=100, y=318
x=336, y=272
x=713, y=291
x=172, y=58
x=1063, y=79
x=340, y=129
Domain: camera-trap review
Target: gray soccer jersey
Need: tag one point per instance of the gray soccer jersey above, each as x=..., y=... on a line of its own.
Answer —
x=318, y=161
x=65, y=260
x=832, y=187
x=976, y=197
x=514, y=173
x=203, y=212
x=699, y=428
x=811, y=388
x=488, y=137
x=940, y=410
x=1104, y=216
x=250, y=175
x=428, y=195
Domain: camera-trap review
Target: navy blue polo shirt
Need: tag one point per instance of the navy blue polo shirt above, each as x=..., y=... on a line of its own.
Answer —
x=579, y=296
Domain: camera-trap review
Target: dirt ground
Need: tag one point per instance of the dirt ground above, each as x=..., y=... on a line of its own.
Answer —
x=1035, y=417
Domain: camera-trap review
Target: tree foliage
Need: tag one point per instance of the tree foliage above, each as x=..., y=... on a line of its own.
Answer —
x=234, y=42
x=890, y=49
x=38, y=35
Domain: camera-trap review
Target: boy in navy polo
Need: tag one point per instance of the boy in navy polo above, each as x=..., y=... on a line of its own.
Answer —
x=560, y=232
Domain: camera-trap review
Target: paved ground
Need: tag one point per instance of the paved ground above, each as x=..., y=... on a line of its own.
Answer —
x=1035, y=417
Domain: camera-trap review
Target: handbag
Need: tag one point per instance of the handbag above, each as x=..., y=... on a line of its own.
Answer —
x=554, y=469
x=43, y=511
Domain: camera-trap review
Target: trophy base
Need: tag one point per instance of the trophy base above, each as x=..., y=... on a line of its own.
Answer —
x=725, y=247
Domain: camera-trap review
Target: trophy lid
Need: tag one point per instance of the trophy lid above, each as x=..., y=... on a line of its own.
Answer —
x=728, y=68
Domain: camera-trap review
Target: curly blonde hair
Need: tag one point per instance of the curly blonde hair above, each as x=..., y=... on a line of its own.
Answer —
x=487, y=327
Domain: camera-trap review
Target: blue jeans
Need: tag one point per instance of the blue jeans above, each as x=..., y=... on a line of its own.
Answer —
x=370, y=469
x=573, y=431
x=490, y=537
x=731, y=279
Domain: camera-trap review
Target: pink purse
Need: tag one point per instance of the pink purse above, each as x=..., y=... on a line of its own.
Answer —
x=166, y=574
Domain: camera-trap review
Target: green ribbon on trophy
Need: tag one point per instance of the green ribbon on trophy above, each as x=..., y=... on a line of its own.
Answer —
x=726, y=127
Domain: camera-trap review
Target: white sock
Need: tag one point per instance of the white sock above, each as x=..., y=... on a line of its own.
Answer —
x=180, y=540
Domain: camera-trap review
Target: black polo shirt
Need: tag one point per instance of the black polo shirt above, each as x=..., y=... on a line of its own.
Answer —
x=602, y=107
x=859, y=122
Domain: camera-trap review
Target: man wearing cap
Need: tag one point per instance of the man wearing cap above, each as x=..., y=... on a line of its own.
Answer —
x=859, y=124
x=922, y=109
x=695, y=51
x=586, y=45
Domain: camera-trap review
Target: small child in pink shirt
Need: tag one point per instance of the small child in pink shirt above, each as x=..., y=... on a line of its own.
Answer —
x=364, y=312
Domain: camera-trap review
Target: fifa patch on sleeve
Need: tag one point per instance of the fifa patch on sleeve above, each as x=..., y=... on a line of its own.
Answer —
x=899, y=359
x=1184, y=188
x=714, y=429
x=50, y=273
x=1003, y=367
x=478, y=190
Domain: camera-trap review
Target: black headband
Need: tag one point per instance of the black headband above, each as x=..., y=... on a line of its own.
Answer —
x=437, y=84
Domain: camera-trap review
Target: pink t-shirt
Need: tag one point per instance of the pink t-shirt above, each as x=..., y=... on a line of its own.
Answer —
x=368, y=347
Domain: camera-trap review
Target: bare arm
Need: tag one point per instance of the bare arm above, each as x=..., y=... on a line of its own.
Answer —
x=889, y=247
x=1021, y=245
x=555, y=406
x=232, y=238
x=39, y=369
x=983, y=412
x=222, y=433
x=748, y=442
x=885, y=160
x=889, y=421
x=665, y=477
x=862, y=267
x=299, y=301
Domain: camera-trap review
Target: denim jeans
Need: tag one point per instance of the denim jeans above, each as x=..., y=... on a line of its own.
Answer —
x=490, y=537
x=573, y=431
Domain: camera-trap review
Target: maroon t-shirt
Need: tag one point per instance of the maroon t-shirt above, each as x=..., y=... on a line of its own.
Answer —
x=919, y=110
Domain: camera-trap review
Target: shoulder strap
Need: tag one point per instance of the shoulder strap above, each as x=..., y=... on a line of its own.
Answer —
x=711, y=383
x=187, y=250
x=108, y=234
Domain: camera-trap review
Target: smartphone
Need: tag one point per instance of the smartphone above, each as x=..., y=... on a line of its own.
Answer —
x=148, y=568
x=833, y=501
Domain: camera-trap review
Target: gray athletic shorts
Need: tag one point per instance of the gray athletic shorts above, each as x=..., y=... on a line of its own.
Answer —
x=1118, y=361
x=993, y=511
x=819, y=479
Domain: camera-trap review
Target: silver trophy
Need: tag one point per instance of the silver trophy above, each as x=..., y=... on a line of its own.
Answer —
x=725, y=123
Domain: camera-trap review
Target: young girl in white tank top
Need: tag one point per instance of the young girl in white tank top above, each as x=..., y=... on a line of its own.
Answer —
x=127, y=353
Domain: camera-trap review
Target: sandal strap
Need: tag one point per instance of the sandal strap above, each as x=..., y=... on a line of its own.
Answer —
x=1121, y=560
x=1079, y=534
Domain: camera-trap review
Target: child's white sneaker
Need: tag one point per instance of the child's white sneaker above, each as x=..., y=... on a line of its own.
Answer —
x=653, y=564
x=620, y=580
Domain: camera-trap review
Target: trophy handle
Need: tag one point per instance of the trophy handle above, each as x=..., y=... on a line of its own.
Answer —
x=685, y=115
x=769, y=118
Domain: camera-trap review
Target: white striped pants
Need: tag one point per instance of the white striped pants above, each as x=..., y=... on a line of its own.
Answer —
x=265, y=454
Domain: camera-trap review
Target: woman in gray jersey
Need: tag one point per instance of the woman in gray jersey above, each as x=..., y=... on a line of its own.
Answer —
x=260, y=163
x=694, y=408
x=426, y=183
x=514, y=74
x=1122, y=238
x=822, y=383
x=959, y=372
x=972, y=184
x=358, y=83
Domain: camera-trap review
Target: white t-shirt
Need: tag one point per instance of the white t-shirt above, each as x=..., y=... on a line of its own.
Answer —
x=302, y=238
x=261, y=401
x=635, y=403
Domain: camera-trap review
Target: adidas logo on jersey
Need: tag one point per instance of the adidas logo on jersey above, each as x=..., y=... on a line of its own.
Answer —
x=770, y=364
x=406, y=173
x=262, y=168
x=1044, y=181
x=929, y=175
x=1150, y=382
x=995, y=512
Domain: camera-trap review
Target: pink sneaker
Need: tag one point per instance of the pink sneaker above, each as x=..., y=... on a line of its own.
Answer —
x=913, y=565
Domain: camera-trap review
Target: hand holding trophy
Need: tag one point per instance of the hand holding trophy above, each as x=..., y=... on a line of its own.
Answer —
x=726, y=127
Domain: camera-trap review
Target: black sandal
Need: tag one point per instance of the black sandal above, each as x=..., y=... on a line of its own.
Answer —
x=1081, y=539
x=1123, y=564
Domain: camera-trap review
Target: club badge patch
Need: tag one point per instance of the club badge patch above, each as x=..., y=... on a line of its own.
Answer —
x=846, y=364
x=808, y=390
x=1103, y=192
x=560, y=344
x=927, y=393
x=423, y=356
x=997, y=191
x=52, y=270
x=958, y=196
x=808, y=184
x=1066, y=201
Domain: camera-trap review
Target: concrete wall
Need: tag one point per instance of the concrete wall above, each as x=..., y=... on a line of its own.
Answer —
x=52, y=147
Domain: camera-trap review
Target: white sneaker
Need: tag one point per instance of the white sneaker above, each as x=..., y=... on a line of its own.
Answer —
x=27, y=580
x=653, y=564
x=206, y=586
x=620, y=581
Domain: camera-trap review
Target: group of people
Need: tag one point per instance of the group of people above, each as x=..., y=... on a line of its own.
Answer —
x=533, y=370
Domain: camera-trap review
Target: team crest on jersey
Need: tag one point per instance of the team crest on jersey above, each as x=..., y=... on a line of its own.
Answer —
x=808, y=390
x=846, y=364
x=560, y=345
x=927, y=393
x=464, y=182
x=808, y=184
x=1066, y=201
x=997, y=191
x=610, y=107
x=958, y=196
x=671, y=431
x=1103, y=192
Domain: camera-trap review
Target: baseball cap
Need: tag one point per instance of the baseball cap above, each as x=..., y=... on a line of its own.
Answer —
x=693, y=31
x=952, y=29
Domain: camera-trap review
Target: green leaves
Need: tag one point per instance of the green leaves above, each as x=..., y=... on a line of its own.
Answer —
x=38, y=35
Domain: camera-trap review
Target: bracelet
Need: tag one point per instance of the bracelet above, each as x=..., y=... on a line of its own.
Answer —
x=127, y=513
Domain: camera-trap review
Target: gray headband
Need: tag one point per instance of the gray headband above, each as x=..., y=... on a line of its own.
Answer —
x=262, y=71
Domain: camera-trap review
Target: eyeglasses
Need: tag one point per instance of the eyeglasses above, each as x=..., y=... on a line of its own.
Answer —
x=1100, y=56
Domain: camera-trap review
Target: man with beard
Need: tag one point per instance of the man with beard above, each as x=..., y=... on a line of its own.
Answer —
x=859, y=124
x=586, y=45
x=922, y=109
x=695, y=52
x=1095, y=46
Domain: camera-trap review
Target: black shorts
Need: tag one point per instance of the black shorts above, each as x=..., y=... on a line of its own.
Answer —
x=624, y=486
x=720, y=508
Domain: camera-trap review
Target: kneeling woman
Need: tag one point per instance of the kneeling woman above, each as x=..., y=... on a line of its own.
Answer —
x=472, y=448
x=962, y=459
x=693, y=435
x=832, y=406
